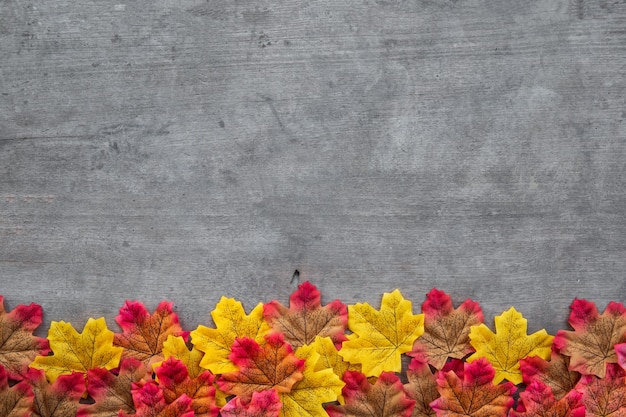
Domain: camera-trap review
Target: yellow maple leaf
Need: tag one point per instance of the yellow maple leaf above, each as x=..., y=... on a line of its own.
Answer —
x=231, y=322
x=505, y=348
x=380, y=337
x=330, y=358
x=175, y=346
x=78, y=352
x=317, y=386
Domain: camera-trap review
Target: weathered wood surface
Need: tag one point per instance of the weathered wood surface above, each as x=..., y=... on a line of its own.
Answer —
x=190, y=149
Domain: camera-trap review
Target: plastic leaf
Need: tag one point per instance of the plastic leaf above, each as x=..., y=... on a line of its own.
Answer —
x=149, y=402
x=174, y=381
x=15, y=401
x=538, y=401
x=554, y=373
x=605, y=396
x=263, y=404
x=446, y=330
x=143, y=334
x=508, y=345
x=112, y=393
x=422, y=387
x=306, y=318
x=232, y=322
x=78, y=352
x=176, y=347
x=381, y=336
x=18, y=346
x=330, y=358
x=590, y=345
x=59, y=399
x=474, y=394
x=386, y=398
x=261, y=367
x=318, y=386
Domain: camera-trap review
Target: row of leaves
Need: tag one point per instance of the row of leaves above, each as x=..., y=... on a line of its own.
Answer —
x=310, y=359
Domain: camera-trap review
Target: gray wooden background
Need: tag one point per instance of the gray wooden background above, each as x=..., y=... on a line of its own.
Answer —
x=189, y=149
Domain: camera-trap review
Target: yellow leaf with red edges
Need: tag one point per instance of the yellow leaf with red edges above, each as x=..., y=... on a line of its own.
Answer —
x=231, y=322
x=505, y=348
x=380, y=337
x=78, y=352
x=176, y=347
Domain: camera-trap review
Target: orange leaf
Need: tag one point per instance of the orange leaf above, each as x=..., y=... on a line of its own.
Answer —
x=422, y=387
x=386, y=398
x=474, y=395
x=15, y=401
x=538, y=401
x=18, y=346
x=262, y=404
x=271, y=365
x=59, y=399
x=591, y=344
x=554, y=373
x=446, y=330
x=143, y=334
x=605, y=396
x=149, y=402
x=306, y=318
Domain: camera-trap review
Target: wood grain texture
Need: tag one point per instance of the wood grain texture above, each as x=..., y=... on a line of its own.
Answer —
x=190, y=149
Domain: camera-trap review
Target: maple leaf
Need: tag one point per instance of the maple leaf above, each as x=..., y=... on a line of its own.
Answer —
x=538, y=401
x=112, y=393
x=174, y=381
x=422, y=387
x=508, y=345
x=261, y=367
x=318, y=385
x=232, y=322
x=176, y=347
x=306, y=318
x=263, y=404
x=18, y=346
x=554, y=373
x=149, y=402
x=59, y=399
x=330, y=358
x=386, y=398
x=605, y=396
x=143, y=334
x=446, y=330
x=591, y=344
x=474, y=394
x=380, y=337
x=15, y=401
x=78, y=352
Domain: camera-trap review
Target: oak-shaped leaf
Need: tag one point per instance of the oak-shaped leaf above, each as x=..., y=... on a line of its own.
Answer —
x=606, y=396
x=176, y=347
x=380, y=337
x=421, y=387
x=143, y=333
x=231, y=322
x=538, y=401
x=261, y=367
x=474, y=394
x=446, y=330
x=174, y=381
x=57, y=399
x=78, y=352
x=555, y=373
x=508, y=345
x=306, y=318
x=150, y=402
x=18, y=346
x=385, y=398
x=17, y=400
x=262, y=404
x=112, y=393
x=319, y=385
x=591, y=344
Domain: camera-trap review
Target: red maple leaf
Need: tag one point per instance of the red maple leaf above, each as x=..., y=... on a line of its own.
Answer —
x=263, y=404
x=143, y=334
x=174, y=381
x=538, y=401
x=555, y=373
x=306, y=318
x=422, y=387
x=386, y=398
x=150, y=402
x=605, y=396
x=17, y=400
x=59, y=399
x=473, y=394
x=261, y=367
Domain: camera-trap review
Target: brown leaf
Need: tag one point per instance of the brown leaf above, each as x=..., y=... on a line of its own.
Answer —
x=59, y=399
x=555, y=373
x=15, y=401
x=422, y=387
